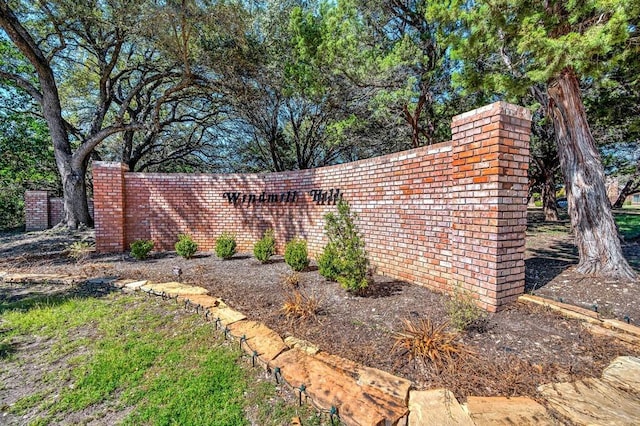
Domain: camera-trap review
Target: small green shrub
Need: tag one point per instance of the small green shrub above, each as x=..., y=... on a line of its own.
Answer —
x=185, y=246
x=463, y=313
x=80, y=250
x=328, y=265
x=265, y=247
x=295, y=254
x=226, y=246
x=140, y=249
x=345, y=256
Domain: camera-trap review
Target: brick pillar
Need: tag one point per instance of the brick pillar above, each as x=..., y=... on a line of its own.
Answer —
x=36, y=210
x=490, y=158
x=108, y=201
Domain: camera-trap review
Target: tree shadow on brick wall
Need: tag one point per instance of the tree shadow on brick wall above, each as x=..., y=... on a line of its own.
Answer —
x=546, y=264
x=287, y=220
x=203, y=212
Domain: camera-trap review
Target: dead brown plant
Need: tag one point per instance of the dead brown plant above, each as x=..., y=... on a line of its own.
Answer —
x=291, y=281
x=423, y=340
x=300, y=306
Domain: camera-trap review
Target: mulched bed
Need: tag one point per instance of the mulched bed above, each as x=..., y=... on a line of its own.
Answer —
x=516, y=350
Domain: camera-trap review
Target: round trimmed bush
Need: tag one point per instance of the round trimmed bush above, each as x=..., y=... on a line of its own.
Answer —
x=185, y=246
x=226, y=246
x=140, y=249
x=328, y=265
x=265, y=247
x=295, y=254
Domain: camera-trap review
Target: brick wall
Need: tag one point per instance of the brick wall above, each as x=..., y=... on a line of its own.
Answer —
x=36, y=207
x=440, y=216
x=43, y=211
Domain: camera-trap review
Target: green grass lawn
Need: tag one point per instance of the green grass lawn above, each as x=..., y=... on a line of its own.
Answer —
x=628, y=223
x=130, y=359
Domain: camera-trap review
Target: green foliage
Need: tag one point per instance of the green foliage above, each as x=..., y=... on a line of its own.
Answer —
x=185, y=246
x=140, y=249
x=295, y=254
x=226, y=246
x=345, y=256
x=520, y=43
x=463, y=313
x=328, y=263
x=265, y=247
x=26, y=157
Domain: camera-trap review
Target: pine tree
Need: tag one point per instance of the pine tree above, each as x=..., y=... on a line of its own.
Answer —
x=543, y=49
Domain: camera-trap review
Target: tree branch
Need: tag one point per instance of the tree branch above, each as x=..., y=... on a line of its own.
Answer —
x=87, y=146
x=23, y=84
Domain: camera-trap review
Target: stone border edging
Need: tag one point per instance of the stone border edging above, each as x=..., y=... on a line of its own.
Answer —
x=359, y=395
x=620, y=330
x=355, y=394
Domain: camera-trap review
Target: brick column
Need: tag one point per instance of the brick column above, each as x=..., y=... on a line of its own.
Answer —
x=36, y=210
x=108, y=201
x=488, y=199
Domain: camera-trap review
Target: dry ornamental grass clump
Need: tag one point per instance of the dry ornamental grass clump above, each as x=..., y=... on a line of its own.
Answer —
x=428, y=342
x=81, y=250
x=300, y=306
x=291, y=281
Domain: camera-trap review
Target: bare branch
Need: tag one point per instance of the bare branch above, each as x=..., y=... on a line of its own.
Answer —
x=23, y=84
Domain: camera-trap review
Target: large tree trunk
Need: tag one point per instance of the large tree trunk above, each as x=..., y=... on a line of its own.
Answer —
x=73, y=178
x=596, y=234
x=628, y=189
x=549, y=202
x=76, y=209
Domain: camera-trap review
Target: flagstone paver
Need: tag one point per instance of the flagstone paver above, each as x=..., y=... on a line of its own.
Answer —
x=367, y=396
x=173, y=288
x=225, y=314
x=135, y=285
x=301, y=345
x=120, y=283
x=437, y=407
x=202, y=300
x=328, y=386
x=624, y=373
x=387, y=383
x=502, y=411
x=593, y=402
x=260, y=338
x=39, y=278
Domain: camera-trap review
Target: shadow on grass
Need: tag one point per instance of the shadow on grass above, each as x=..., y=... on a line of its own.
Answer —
x=7, y=349
x=27, y=296
x=546, y=264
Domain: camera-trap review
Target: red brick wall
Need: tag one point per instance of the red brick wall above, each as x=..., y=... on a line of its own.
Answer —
x=109, y=206
x=43, y=211
x=442, y=215
x=36, y=209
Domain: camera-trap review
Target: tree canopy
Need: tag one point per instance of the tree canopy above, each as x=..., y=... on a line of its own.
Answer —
x=211, y=85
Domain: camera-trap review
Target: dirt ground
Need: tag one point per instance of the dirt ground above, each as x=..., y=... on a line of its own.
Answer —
x=513, y=352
